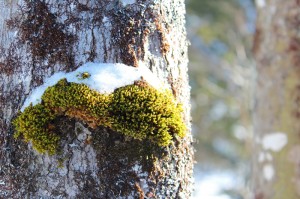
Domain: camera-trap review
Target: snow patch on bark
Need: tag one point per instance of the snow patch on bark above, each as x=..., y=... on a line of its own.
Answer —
x=260, y=3
x=274, y=141
x=269, y=172
x=265, y=157
x=126, y=2
x=104, y=78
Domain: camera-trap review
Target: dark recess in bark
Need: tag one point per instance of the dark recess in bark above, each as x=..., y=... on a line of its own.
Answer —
x=131, y=29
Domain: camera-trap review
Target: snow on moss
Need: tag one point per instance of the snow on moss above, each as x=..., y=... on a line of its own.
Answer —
x=128, y=100
x=104, y=78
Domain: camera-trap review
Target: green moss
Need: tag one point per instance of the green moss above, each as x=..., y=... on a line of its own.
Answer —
x=34, y=125
x=143, y=112
x=83, y=75
x=139, y=111
x=78, y=101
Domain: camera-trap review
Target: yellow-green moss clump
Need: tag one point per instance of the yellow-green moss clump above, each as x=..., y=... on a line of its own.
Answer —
x=138, y=110
x=34, y=125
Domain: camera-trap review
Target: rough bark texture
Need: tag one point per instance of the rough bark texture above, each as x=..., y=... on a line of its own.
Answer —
x=39, y=38
x=277, y=109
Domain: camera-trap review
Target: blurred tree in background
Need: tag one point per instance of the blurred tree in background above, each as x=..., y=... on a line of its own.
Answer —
x=221, y=77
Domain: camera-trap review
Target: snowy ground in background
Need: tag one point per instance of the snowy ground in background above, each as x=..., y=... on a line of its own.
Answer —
x=210, y=186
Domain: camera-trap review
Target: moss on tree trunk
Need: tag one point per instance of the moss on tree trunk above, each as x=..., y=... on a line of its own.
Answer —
x=38, y=39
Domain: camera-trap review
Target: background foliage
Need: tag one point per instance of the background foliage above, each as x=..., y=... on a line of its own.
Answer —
x=221, y=77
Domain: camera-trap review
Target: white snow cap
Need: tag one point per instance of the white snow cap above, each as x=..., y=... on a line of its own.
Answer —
x=104, y=78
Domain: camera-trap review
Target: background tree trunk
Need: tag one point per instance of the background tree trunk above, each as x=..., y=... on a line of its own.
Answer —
x=39, y=38
x=277, y=111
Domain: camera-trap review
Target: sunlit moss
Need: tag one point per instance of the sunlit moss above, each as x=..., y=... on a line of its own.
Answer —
x=34, y=125
x=143, y=112
x=78, y=101
x=138, y=111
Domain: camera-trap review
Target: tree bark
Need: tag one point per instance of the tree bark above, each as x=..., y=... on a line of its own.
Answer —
x=276, y=114
x=39, y=38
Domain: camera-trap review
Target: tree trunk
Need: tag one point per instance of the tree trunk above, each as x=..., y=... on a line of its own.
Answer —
x=40, y=38
x=277, y=108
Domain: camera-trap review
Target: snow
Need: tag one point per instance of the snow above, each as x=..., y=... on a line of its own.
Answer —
x=104, y=78
x=36, y=94
x=240, y=132
x=126, y=2
x=264, y=157
x=211, y=186
x=268, y=171
x=260, y=3
x=274, y=141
